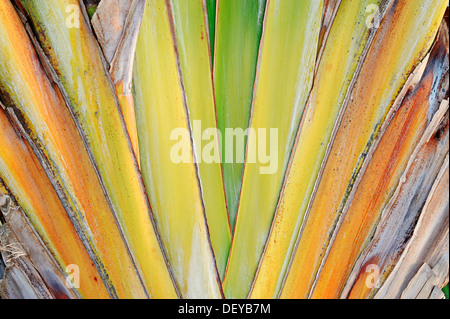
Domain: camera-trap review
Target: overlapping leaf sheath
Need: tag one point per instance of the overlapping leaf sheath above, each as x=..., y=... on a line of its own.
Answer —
x=428, y=244
x=21, y=279
x=190, y=25
x=116, y=24
x=239, y=28
x=17, y=226
x=283, y=82
x=167, y=158
x=67, y=40
x=19, y=246
x=403, y=210
x=382, y=174
x=29, y=185
x=404, y=37
x=44, y=120
x=428, y=281
x=341, y=58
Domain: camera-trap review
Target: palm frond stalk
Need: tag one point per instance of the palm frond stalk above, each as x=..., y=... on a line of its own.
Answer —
x=224, y=149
